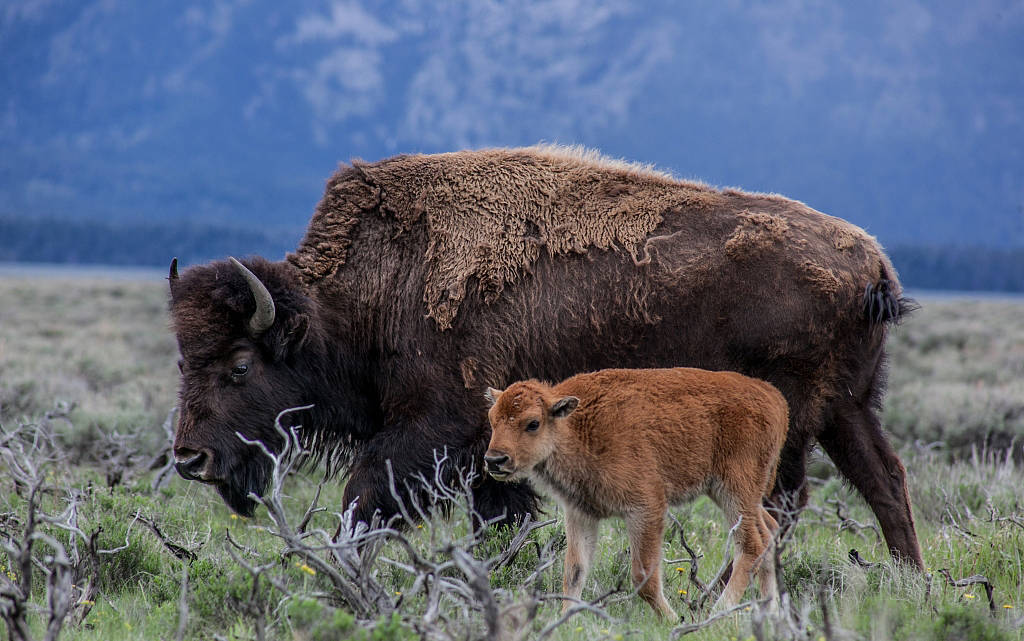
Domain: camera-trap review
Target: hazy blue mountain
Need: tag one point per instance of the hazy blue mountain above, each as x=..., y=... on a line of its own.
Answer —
x=904, y=117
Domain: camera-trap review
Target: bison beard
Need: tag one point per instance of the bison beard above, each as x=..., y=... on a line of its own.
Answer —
x=424, y=279
x=251, y=479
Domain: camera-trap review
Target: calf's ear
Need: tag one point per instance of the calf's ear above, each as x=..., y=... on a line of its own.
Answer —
x=564, y=406
x=492, y=396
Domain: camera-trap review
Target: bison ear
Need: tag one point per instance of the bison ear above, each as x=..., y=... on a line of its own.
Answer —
x=564, y=406
x=298, y=326
x=492, y=396
x=291, y=337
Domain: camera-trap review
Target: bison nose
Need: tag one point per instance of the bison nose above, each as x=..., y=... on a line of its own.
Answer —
x=190, y=463
x=494, y=462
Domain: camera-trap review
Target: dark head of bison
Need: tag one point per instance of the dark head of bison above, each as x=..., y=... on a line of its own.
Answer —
x=247, y=335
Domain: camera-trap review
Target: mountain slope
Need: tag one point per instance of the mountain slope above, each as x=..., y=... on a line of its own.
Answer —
x=902, y=117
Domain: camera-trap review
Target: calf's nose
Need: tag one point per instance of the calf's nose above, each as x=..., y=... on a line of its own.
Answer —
x=495, y=461
x=190, y=463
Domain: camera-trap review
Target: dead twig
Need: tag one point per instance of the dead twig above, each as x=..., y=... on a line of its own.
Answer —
x=689, y=628
x=179, y=552
x=694, y=561
x=976, y=579
x=165, y=459
x=594, y=606
x=526, y=527
x=183, y=604
x=856, y=559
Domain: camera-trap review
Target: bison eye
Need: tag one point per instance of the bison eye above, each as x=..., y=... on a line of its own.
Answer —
x=181, y=366
x=533, y=425
x=239, y=371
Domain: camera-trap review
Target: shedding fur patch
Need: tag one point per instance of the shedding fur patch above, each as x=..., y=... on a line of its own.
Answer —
x=756, y=233
x=824, y=280
x=489, y=214
x=469, y=366
x=845, y=237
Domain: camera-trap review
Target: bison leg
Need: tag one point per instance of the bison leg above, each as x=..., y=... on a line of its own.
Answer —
x=855, y=442
x=388, y=473
x=766, y=572
x=646, y=531
x=510, y=500
x=581, y=540
x=789, y=495
x=368, y=487
x=747, y=557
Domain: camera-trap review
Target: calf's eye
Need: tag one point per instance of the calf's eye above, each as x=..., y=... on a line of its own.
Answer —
x=240, y=370
x=533, y=425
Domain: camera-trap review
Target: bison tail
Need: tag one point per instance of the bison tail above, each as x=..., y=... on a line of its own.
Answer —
x=885, y=303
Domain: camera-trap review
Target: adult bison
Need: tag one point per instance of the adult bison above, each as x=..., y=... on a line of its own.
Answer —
x=424, y=279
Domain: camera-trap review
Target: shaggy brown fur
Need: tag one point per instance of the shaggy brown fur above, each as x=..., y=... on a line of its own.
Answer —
x=489, y=214
x=422, y=279
x=629, y=443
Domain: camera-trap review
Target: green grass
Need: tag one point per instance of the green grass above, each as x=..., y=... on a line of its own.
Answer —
x=91, y=358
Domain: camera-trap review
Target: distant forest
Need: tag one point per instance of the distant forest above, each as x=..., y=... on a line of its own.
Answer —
x=155, y=243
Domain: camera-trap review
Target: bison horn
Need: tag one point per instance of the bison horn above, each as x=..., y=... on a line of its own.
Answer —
x=173, y=274
x=263, y=317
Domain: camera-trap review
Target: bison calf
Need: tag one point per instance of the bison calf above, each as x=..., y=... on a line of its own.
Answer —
x=629, y=443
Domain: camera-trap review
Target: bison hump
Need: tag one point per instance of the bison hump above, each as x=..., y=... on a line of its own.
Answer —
x=489, y=214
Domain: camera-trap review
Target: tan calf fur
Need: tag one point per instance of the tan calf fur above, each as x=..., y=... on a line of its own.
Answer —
x=631, y=442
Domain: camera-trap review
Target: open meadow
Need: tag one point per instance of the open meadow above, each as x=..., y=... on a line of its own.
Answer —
x=102, y=541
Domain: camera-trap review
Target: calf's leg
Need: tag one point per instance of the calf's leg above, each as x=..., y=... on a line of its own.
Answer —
x=766, y=571
x=749, y=546
x=646, y=530
x=581, y=539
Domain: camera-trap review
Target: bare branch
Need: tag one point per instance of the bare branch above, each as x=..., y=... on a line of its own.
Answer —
x=593, y=606
x=179, y=552
x=165, y=459
x=689, y=628
x=976, y=579
x=856, y=559
x=183, y=605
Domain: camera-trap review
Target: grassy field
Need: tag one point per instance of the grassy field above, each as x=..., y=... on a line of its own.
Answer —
x=91, y=363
